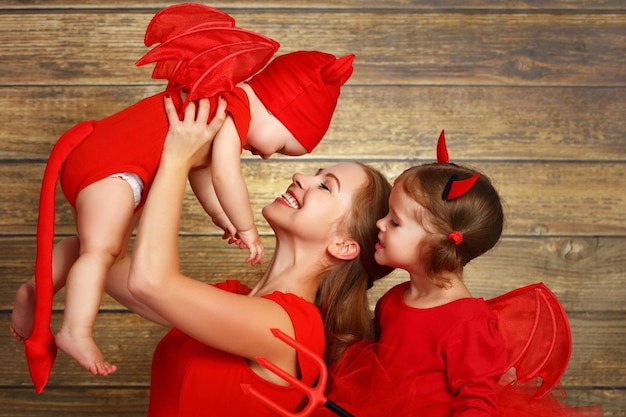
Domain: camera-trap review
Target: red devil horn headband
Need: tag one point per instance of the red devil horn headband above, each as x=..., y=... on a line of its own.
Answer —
x=454, y=188
x=442, y=150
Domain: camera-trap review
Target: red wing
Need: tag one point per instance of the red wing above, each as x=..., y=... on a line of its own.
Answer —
x=204, y=56
x=180, y=18
x=537, y=334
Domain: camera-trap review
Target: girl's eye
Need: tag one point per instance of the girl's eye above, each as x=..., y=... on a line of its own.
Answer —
x=393, y=223
x=324, y=186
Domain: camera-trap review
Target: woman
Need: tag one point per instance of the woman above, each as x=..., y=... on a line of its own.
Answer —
x=325, y=236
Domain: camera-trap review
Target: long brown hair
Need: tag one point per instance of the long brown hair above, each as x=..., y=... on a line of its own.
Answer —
x=477, y=216
x=342, y=296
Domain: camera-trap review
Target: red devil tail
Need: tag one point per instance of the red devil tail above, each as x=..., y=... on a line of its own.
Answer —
x=40, y=347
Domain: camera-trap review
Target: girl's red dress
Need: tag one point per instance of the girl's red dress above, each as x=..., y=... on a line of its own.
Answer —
x=437, y=362
x=428, y=362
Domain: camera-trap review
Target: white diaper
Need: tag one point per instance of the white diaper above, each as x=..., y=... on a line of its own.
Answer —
x=135, y=182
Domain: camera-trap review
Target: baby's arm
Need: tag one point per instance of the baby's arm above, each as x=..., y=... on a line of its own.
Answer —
x=231, y=189
x=202, y=185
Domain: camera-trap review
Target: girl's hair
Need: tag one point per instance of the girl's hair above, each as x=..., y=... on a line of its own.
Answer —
x=342, y=296
x=477, y=215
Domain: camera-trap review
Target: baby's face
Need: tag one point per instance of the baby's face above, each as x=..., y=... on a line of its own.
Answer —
x=270, y=136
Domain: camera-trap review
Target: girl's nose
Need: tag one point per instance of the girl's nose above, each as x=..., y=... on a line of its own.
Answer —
x=380, y=223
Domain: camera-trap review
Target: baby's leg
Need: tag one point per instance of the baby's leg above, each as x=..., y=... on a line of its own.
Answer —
x=64, y=255
x=104, y=213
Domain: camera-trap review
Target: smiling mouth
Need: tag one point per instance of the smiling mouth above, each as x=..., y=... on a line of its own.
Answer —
x=290, y=200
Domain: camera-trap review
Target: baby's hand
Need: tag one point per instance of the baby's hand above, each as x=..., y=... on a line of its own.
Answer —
x=223, y=222
x=252, y=241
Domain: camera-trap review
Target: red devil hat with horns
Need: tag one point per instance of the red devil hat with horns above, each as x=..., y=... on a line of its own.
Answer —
x=301, y=89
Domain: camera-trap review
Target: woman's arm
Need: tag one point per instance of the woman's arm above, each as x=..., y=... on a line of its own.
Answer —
x=117, y=287
x=230, y=322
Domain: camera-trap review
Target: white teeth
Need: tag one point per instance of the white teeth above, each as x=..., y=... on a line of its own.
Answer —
x=290, y=200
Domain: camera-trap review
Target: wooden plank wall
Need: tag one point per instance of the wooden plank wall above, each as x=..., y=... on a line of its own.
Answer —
x=533, y=93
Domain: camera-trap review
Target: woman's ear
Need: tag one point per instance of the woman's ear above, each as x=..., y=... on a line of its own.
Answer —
x=346, y=249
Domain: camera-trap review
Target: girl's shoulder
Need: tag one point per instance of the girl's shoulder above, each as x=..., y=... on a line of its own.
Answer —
x=465, y=307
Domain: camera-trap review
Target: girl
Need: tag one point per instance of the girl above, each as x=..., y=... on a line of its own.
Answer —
x=446, y=349
x=453, y=351
x=439, y=351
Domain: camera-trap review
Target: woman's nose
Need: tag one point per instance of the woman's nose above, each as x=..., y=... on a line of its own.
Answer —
x=300, y=180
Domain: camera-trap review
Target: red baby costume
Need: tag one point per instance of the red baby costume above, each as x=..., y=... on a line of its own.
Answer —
x=192, y=379
x=132, y=140
x=202, y=52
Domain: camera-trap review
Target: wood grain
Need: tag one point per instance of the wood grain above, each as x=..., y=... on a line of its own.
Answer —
x=539, y=198
x=587, y=274
x=133, y=402
x=326, y=5
x=128, y=341
x=530, y=93
x=395, y=122
x=422, y=49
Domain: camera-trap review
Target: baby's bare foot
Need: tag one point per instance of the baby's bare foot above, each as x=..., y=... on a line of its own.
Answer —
x=23, y=312
x=79, y=345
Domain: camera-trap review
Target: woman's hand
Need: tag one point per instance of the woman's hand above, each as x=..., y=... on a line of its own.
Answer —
x=189, y=140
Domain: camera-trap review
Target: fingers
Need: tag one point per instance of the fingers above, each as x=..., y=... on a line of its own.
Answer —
x=256, y=254
x=203, y=111
x=202, y=114
x=170, y=110
x=255, y=258
x=218, y=119
x=189, y=115
x=257, y=251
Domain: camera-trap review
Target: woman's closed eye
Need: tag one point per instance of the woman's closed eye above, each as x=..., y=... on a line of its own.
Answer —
x=329, y=177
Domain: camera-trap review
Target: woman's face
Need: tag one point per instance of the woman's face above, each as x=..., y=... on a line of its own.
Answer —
x=314, y=205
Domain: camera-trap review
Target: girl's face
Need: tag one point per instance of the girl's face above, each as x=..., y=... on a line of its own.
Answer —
x=314, y=205
x=401, y=235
